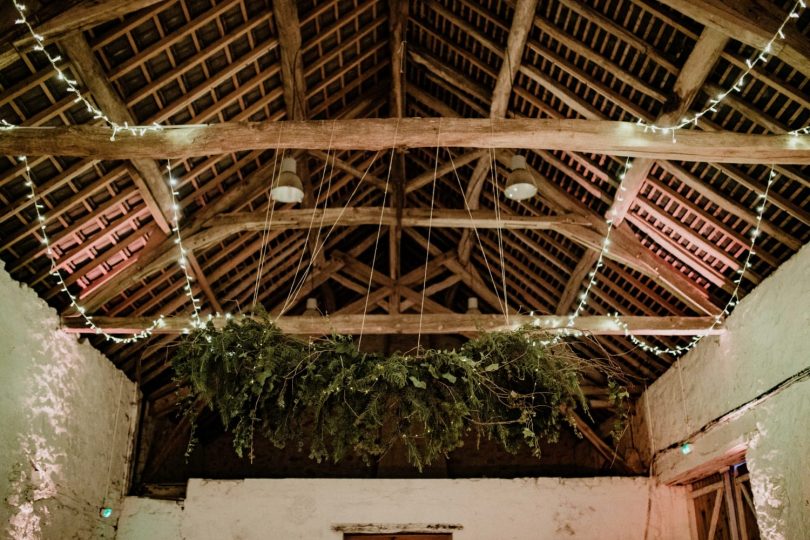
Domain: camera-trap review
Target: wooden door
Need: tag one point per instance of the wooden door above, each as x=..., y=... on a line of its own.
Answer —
x=723, y=507
x=404, y=536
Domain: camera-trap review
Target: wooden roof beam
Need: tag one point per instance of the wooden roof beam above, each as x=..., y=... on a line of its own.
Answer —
x=751, y=22
x=397, y=28
x=572, y=286
x=443, y=323
x=288, y=28
x=217, y=228
x=157, y=254
x=285, y=16
x=598, y=137
x=522, y=21
x=148, y=176
x=626, y=249
x=57, y=24
x=149, y=179
x=689, y=82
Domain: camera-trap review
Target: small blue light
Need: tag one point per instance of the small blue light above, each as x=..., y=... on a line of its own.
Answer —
x=105, y=512
x=686, y=449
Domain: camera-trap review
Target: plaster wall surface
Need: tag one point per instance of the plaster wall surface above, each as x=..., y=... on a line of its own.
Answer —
x=720, y=397
x=491, y=509
x=67, y=417
x=150, y=519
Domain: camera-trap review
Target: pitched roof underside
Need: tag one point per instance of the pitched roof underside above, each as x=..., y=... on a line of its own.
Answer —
x=203, y=61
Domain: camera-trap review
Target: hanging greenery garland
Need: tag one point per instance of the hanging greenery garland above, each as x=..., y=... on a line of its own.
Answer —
x=507, y=386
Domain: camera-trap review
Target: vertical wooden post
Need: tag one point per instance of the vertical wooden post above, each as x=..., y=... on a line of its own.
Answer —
x=728, y=490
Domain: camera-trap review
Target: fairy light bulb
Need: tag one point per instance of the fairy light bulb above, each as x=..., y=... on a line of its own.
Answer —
x=56, y=272
x=72, y=87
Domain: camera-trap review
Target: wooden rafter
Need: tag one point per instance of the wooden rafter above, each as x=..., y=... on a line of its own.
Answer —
x=442, y=323
x=697, y=67
x=522, y=20
x=227, y=224
x=753, y=23
x=397, y=24
x=599, y=137
x=626, y=249
x=151, y=183
x=53, y=25
x=690, y=80
x=285, y=15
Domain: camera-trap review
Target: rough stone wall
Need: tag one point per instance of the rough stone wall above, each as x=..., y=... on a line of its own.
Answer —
x=67, y=417
x=767, y=342
x=487, y=509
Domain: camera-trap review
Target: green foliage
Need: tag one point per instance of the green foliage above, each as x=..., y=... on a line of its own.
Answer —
x=507, y=386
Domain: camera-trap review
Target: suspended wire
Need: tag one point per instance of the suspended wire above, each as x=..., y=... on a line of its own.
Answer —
x=268, y=220
x=477, y=235
x=493, y=171
x=430, y=230
x=311, y=222
x=319, y=248
x=379, y=230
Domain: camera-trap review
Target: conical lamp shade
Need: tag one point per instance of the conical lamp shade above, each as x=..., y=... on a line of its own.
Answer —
x=520, y=183
x=287, y=187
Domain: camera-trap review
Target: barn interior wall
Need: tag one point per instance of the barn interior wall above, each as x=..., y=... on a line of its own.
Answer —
x=610, y=507
x=747, y=390
x=67, y=418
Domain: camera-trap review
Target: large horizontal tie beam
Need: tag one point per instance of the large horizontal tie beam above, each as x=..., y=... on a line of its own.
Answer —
x=590, y=136
x=443, y=323
x=411, y=217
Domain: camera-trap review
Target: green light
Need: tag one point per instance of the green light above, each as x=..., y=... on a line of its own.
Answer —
x=105, y=512
x=686, y=448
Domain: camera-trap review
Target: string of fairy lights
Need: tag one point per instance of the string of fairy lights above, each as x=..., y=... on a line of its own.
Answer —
x=733, y=300
x=72, y=84
x=196, y=320
x=54, y=271
x=760, y=57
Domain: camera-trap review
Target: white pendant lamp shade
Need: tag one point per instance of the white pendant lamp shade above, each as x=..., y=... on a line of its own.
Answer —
x=520, y=184
x=287, y=187
x=472, y=306
x=312, y=308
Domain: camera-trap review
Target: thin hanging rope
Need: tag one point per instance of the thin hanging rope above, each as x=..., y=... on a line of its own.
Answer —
x=379, y=229
x=430, y=230
x=268, y=220
x=475, y=230
x=493, y=170
x=328, y=187
x=328, y=235
x=311, y=222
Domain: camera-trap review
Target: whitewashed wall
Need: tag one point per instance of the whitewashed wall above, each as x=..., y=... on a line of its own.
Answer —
x=66, y=424
x=487, y=509
x=768, y=342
